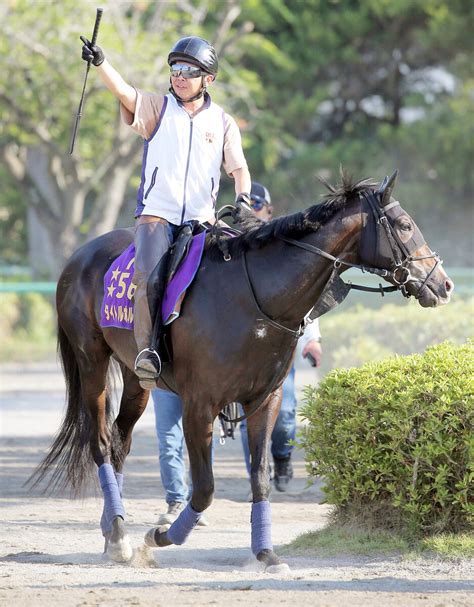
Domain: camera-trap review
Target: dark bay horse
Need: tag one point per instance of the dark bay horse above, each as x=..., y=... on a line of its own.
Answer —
x=255, y=302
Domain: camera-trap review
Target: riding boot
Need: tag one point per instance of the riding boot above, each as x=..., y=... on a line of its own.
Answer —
x=147, y=362
x=151, y=243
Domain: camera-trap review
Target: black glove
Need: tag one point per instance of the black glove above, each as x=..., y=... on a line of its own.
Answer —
x=92, y=54
x=243, y=208
x=243, y=199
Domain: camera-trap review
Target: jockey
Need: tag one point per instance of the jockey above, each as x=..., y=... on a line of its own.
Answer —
x=187, y=137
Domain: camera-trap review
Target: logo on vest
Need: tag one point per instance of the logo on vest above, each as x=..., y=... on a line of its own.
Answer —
x=209, y=137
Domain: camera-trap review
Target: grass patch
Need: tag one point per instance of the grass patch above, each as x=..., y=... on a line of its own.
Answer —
x=336, y=540
x=450, y=545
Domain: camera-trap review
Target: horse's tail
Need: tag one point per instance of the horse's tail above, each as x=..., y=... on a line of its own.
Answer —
x=69, y=453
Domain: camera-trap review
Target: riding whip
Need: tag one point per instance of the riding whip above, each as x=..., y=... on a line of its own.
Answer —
x=81, y=103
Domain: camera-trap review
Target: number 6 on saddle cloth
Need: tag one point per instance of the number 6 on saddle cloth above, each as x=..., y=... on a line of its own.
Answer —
x=172, y=275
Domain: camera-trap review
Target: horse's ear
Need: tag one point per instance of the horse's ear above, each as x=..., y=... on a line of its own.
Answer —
x=386, y=188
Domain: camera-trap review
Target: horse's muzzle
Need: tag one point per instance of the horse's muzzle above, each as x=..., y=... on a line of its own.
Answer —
x=433, y=293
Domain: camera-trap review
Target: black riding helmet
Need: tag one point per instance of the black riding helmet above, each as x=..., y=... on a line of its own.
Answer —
x=195, y=50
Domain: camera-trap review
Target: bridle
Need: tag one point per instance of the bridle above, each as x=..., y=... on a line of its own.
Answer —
x=380, y=246
x=381, y=250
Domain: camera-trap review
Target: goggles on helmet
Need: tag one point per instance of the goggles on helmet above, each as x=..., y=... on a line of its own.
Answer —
x=186, y=71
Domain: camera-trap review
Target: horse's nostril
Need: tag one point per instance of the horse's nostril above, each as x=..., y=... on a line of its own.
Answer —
x=449, y=286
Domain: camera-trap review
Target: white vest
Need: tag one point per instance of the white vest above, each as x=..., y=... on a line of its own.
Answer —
x=182, y=164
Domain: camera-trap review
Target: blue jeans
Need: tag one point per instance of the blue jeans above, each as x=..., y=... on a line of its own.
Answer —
x=285, y=425
x=169, y=429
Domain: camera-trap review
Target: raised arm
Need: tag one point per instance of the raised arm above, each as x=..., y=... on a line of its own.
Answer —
x=123, y=91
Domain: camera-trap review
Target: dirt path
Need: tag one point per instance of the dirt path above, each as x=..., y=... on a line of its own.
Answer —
x=50, y=550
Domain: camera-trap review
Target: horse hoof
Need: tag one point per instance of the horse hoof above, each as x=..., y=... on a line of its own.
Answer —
x=117, y=543
x=272, y=563
x=157, y=537
x=120, y=551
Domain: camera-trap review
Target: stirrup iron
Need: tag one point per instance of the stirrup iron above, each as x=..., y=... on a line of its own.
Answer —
x=154, y=360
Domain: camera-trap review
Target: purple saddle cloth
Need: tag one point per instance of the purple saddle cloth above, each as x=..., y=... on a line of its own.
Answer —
x=117, y=305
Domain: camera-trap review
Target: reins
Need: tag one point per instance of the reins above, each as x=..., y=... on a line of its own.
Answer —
x=338, y=262
x=297, y=333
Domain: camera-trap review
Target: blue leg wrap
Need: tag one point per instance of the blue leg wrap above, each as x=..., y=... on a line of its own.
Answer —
x=261, y=520
x=181, y=528
x=103, y=523
x=112, y=497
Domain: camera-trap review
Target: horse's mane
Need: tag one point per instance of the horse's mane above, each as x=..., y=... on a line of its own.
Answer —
x=256, y=232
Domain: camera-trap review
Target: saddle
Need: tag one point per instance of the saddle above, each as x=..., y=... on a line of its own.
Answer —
x=169, y=281
x=167, y=284
x=161, y=279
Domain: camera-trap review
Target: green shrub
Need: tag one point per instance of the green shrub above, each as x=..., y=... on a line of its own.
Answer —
x=394, y=440
x=359, y=334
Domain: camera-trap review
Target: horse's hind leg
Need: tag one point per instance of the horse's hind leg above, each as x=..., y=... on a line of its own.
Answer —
x=197, y=425
x=259, y=428
x=133, y=403
x=93, y=372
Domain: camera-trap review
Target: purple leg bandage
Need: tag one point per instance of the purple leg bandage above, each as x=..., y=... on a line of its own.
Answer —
x=261, y=520
x=103, y=520
x=112, y=497
x=179, y=531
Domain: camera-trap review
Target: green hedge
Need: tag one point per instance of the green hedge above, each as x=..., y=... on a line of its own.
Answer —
x=394, y=440
x=359, y=334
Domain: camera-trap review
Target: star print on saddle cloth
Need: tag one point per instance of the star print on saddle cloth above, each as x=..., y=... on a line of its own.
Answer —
x=117, y=306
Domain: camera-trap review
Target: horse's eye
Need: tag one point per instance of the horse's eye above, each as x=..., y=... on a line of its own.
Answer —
x=405, y=226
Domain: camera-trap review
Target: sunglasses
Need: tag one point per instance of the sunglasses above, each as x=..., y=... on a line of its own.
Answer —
x=257, y=203
x=186, y=71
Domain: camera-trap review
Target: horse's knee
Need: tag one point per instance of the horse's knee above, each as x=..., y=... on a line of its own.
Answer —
x=202, y=496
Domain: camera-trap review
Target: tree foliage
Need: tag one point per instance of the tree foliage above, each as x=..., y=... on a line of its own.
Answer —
x=313, y=84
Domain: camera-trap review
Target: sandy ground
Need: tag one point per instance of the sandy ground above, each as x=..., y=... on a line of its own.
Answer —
x=51, y=548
